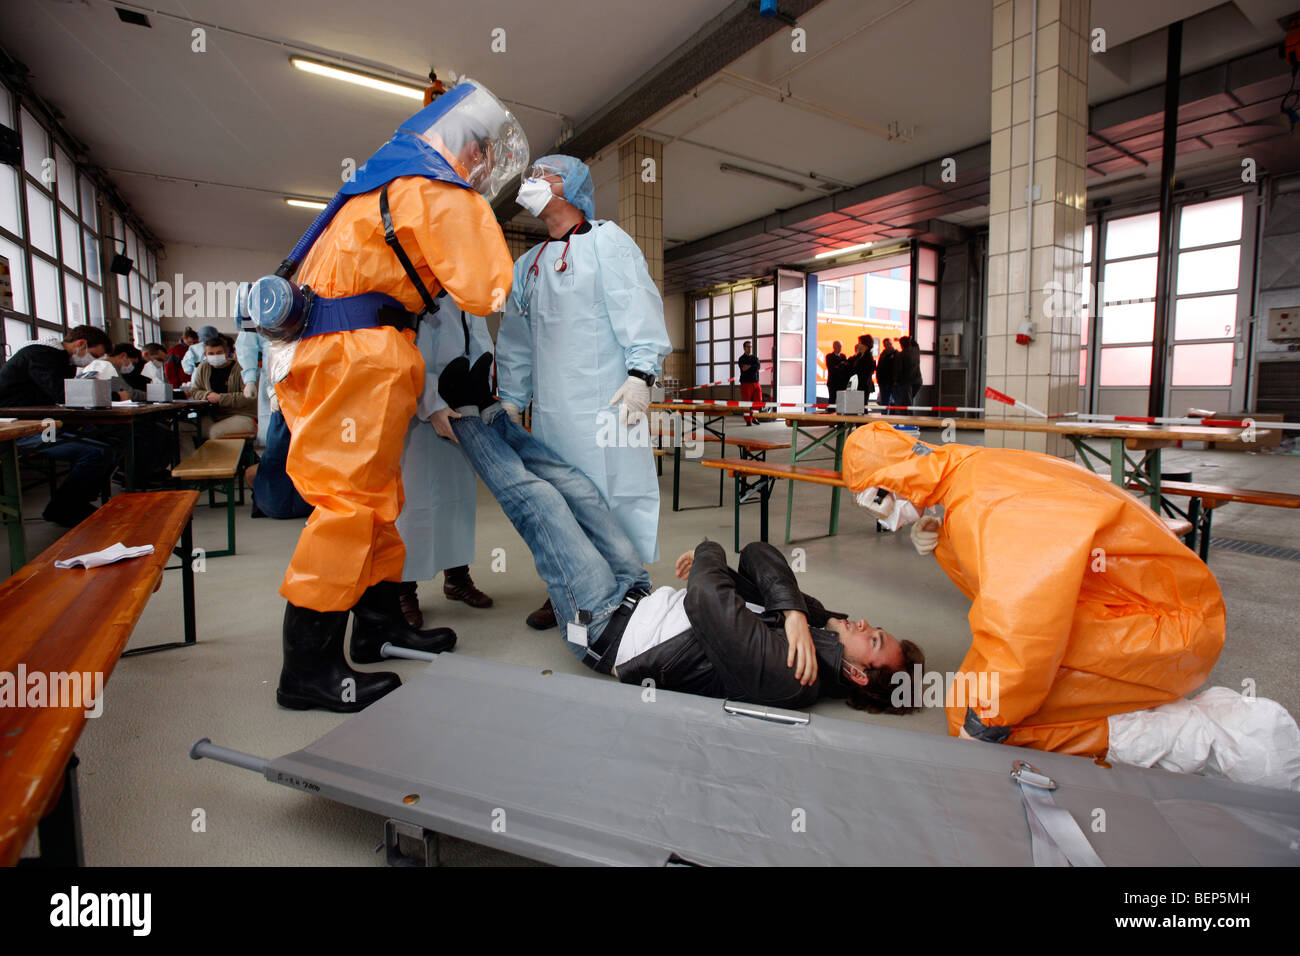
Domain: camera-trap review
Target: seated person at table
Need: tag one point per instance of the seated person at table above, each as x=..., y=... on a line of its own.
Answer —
x=128, y=359
x=155, y=362
x=35, y=376
x=769, y=656
x=219, y=380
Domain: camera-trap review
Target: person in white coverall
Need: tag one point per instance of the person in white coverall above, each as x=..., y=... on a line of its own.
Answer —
x=583, y=332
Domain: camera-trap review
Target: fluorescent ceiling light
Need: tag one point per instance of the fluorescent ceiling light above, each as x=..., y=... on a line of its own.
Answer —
x=840, y=252
x=360, y=79
x=306, y=203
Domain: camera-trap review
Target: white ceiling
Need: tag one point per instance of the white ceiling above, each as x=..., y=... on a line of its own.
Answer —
x=249, y=129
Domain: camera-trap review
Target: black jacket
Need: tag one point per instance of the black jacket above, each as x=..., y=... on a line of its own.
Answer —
x=838, y=370
x=34, y=376
x=886, y=367
x=730, y=652
x=908, y=369
x=863, y=366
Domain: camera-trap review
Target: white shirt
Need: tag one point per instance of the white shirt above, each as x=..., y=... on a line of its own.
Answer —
x=152, y=373
x=659, y=616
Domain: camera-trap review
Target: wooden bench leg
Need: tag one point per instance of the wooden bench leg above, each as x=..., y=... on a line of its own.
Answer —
x=764, y=498
x=230, y=514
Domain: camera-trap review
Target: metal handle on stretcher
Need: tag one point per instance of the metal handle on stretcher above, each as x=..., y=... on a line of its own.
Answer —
x=206, y=748
x=774, y=716
x=392, y=650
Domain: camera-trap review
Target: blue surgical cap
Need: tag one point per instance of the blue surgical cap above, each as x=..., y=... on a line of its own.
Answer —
x=207, y=332
x=577, y=181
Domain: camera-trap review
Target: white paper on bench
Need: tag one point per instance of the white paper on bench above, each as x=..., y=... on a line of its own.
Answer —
x=110, y=555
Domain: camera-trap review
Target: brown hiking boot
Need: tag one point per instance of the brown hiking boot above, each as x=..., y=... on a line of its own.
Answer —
x=461, y=588
x=409, y=603
x=543, y=618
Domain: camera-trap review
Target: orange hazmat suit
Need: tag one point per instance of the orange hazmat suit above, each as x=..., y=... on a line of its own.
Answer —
x=349, y=396
x=1082, y=602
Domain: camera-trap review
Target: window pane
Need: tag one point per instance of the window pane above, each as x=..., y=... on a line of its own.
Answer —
x=764, y=322
x=928, y=265
x=1203, y=364
x=40, y=212
x=701, y=308
x=17, y=334
x=766, y=296
x=721, y=373
x=1085, y=322
x=1132, y=236
x=11, y=214
x=743, y=326
x=95, y=304
x=1209, y=222
x=722, y=352
x=722, y=304
x=721, y=327
x=1126, y=366
x=701, y=374
x=743, y=301
x=792, y=373
x=36, y=148
x=17, y=274
x=925, y=334
x=1209, y=270
x=1126, y=281
x=6, y=107
x=91, y=243
x=45, y=277
x=1087, y=243
x=1128, y=323
x=66, y=179
x=1085, y=290
x=702, y=354
x=927, y=370
x=1083, y=367
x=791, y=347
x=133, y=283
x=89, y=214
x=121, y=289
x=925, y=300
x=76, y=311
x=702, y=331
x=1206, y=317
x=70, y=239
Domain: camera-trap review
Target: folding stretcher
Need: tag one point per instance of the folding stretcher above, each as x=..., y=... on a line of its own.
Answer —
x=569, y=769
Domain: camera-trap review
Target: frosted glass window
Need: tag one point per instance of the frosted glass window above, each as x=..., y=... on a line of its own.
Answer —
x=89, y=214
x=70, y=236
x=1209, y=270
x=1126, y=281
x=40, y=213
x=722, y=304
x=927, y=369
x=17, y=274
x=925, y=301
x=11, y=214
x=45, y=281
x=1128, y=323
x=702, y=354
x=1203, y=364
x=721, y=328
x=1207, y=223
x=765, y=326
x=1085, y=290
x=95, y=306
x=17, y=334
x=121, y=288
x=743, y=326
x=91, y=244
x=1083, y=367
x=702, y=331
x=764, y=348
x=766, y=296
x=701, y=374
x=925, y=334
x=722, y=352
x=928, y=265
x=1087, y=243
x=6, y=107
x=76, y=309
x=792, y=373
x=743, y=301
x=1126, y=367
x=133, y=283
x=65, y=179
x=1206, y=317
x=36, y=145
x=721, y=373
x=1132, y=236
x=791, y=347
x=701, y=308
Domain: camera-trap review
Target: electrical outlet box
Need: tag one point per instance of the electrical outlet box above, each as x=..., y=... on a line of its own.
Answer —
x=950, y=345
x=1284, y=324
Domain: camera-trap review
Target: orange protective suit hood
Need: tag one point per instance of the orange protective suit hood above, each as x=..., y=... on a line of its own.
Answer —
x=1082, y=601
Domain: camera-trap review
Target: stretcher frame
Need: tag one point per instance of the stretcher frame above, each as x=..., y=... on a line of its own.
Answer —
x=570, y=769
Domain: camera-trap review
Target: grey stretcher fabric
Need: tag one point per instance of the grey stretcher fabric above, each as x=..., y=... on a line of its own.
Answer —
x=569, y=769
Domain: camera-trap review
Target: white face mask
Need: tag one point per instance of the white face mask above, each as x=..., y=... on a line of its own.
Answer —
x=156, y=363
x=535, y=195
x=82, y=359
x=216, y=361
x=128, y=368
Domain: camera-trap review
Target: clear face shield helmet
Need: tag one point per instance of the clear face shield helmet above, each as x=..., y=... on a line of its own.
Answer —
x=892, y=513
x=483, y=139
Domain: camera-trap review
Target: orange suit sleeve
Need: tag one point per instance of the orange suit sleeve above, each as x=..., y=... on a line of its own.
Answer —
x=463, y=246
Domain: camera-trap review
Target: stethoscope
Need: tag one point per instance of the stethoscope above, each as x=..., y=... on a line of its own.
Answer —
x=562, y=263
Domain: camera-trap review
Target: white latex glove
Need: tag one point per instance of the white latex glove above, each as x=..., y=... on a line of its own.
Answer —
x=250, y=390
x=925, y=534
x=634, y=395
x=513, y=411
x=275, y=400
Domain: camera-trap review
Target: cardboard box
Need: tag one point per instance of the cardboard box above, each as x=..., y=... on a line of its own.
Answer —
x=87, y=393
x=159, y=392
x=850, y=403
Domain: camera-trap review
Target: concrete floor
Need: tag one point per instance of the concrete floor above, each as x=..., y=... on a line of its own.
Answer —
x=140, y=791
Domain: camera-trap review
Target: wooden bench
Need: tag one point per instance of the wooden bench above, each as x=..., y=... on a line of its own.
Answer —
x=57, y=621
x=216, y=465
x=751, y=449
x=769, y=473
x=1205, y=498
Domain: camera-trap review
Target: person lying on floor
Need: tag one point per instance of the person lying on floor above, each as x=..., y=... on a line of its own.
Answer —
x=750, y=635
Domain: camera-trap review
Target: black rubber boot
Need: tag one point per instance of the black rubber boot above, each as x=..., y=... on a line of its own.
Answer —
x=377, y=620
x=459, y=385
x=315, y=673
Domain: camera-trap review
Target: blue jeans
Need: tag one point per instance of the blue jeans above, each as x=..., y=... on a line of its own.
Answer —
x=581, y=551
x=91, y=467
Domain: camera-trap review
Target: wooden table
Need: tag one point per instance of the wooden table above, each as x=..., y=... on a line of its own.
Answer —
x=76, y=621
x=121, y=416
x=712, y=420
x=1124, y=469
x=11, y=487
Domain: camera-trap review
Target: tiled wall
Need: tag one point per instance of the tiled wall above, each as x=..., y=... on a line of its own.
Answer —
x=641, y=200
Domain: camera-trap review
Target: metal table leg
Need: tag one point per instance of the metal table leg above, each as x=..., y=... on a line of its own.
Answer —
x=130, y=454
x=840, y=432
x=186, y=554
x=11, y=504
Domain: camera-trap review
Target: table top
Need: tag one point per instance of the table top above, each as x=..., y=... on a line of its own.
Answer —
x=9, y=431
x=92, y=414
x=1057, y=427
x=708, y=409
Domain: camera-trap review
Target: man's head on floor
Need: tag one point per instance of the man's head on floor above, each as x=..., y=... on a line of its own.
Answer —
x=878, y=656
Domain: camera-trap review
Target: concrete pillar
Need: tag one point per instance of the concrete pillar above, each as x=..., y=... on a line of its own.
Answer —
x=1044, y=374
x=641, y=200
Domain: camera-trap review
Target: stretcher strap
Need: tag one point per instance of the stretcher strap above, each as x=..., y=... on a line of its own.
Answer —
x=1056, y=837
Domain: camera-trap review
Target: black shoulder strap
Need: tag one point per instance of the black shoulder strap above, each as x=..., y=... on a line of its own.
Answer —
x=390, y=237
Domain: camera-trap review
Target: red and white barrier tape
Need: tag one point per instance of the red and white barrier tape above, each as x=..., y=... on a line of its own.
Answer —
x=997, y=396
x=1208, y=421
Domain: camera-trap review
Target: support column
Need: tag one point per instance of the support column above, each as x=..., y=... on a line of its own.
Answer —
x=1041, y=232
x=641, y=200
